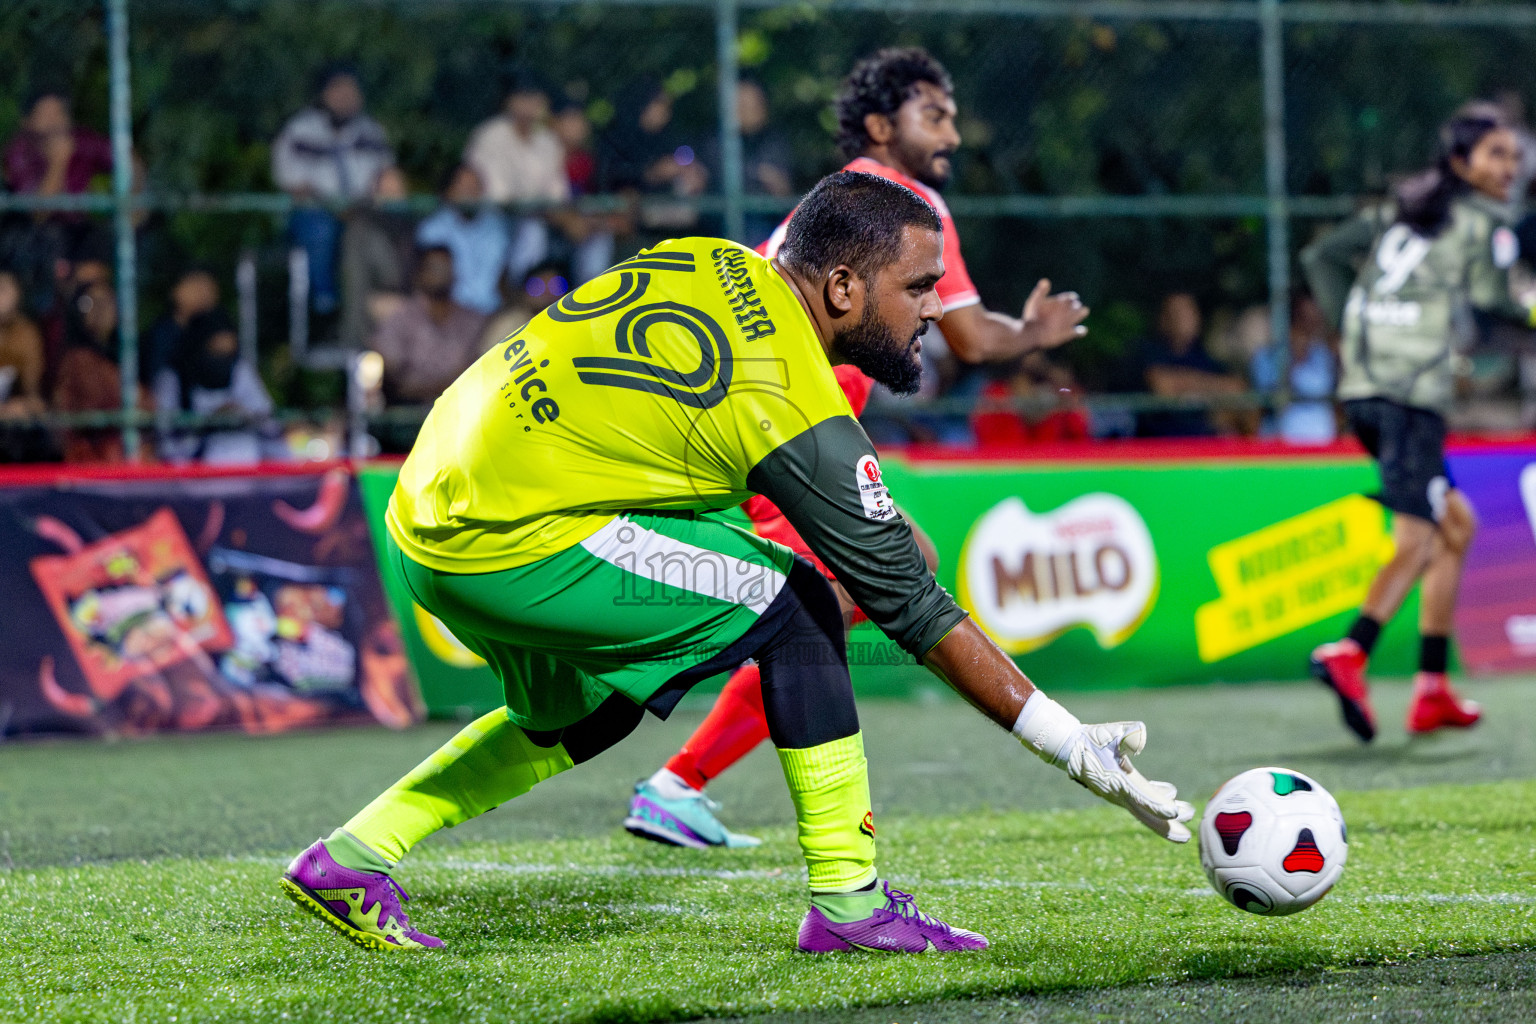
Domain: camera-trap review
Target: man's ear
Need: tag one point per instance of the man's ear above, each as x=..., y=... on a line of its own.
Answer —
x=844, y=291
x=879, y=128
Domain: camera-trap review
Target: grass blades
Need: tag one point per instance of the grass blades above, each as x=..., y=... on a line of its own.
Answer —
x=138, y=881
x=611, y=930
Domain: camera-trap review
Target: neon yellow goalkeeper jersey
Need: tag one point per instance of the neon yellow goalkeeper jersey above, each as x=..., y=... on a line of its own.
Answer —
x=658, y=385
x=687, y=378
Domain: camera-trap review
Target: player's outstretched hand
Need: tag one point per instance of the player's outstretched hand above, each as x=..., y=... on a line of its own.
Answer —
x=1053, y=320
x=1098, y=757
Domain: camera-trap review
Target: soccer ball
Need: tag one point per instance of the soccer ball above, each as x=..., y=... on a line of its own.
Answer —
x=1272, y=841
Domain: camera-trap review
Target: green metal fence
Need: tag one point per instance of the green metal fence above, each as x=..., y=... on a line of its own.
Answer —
x=1274, y=63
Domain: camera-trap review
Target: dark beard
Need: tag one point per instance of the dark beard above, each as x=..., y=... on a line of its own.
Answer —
x=871, y=347
x=924, y=162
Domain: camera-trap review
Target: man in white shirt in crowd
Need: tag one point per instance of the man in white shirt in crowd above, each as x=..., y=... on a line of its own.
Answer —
x=521, y=160
x=331, y=152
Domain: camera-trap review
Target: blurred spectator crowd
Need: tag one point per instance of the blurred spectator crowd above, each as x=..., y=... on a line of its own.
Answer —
x=429, y=293
x=430, y=290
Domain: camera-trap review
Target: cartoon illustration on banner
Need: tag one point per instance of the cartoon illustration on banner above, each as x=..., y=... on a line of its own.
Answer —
x=1028, y=577
x=215, y=603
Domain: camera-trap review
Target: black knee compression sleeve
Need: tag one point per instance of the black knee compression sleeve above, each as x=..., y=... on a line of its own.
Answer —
x=614, y=719
x=798, y=642
x=807, y=695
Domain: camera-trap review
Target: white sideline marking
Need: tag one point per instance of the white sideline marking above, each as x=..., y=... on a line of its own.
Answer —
x=656, y=908
x=615, y=870
x=1445, y=897
x=777, y=874
x=1012, y=883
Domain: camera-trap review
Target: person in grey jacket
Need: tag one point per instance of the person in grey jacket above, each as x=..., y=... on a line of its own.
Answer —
x=328, y=153
x=1405, y=281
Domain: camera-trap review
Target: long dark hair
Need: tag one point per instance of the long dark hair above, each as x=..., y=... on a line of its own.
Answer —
x=1424, y=200
x=77, y=333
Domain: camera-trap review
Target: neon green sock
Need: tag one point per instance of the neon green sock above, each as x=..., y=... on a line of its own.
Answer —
x=489, y=762
x=848, y=907
x=348, y=851
x=829, y=785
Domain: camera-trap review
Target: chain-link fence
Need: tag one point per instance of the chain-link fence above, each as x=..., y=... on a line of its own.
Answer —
x=1125, y=148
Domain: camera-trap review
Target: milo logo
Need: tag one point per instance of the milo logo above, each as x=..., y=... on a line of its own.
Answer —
x=1028, y=577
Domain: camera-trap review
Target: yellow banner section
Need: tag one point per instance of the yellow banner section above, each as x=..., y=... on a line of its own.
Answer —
x=443, y=644
x=1299, y=571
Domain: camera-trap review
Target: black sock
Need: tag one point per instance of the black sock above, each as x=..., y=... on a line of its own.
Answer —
x=1364, y=632
x=1434, y=653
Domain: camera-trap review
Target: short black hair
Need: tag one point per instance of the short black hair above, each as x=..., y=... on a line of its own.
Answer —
x=94, y=245
x=880, y=84
x=548, y=266
x=452, y=174
x=855, y=219
x=419, y=257
x=50, y=91
x=333, y=70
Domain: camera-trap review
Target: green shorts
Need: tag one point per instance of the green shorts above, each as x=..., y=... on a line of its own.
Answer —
x=646, y=598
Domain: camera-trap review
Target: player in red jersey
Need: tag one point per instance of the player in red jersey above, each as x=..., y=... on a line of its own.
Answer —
x=896, y=118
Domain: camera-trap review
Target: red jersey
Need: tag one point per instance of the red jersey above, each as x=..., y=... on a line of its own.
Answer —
x=955, y=288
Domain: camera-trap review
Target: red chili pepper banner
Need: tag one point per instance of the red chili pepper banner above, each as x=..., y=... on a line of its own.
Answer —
x=146, y=602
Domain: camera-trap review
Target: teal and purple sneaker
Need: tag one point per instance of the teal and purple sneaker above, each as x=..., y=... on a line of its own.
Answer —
x=896, y=927
x=362, y=905
x=680, y=821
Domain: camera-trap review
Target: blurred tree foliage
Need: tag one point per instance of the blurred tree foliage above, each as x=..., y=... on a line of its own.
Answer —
x=1057, y=107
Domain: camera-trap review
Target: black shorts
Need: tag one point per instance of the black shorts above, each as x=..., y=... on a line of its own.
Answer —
x=1408, y=445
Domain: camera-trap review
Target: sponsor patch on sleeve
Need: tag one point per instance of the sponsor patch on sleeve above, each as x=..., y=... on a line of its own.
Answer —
x=1506, y=248
x=872, y=490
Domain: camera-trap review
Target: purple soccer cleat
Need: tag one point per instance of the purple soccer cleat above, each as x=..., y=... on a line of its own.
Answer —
x=362, y=905
x=898, y=927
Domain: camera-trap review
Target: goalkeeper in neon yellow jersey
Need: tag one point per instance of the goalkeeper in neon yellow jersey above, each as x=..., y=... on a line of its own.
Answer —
x=549, y=515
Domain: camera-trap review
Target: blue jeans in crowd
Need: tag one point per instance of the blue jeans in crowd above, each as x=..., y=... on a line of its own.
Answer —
x=318, y=233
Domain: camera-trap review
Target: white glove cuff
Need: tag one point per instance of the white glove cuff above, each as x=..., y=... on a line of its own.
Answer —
x=1046, y=727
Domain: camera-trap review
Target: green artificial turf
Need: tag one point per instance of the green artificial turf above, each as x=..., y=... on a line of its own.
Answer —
x=1491, y=989
x=606, y=929
x=141, y=882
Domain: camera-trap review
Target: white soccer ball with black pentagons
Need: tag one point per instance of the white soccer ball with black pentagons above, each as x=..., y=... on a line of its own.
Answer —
x=1273, y=841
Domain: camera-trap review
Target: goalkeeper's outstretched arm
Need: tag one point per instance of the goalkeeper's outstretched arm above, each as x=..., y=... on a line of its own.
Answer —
x=826, y=481
x=1096, y=756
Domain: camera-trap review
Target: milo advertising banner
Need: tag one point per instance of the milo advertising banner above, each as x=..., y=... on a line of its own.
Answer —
x=454, y=680
x=1120, y=572
x=1117, y=570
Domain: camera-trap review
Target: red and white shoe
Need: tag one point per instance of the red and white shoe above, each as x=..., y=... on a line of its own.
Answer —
x=1341, y=667
x=1436, y=706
